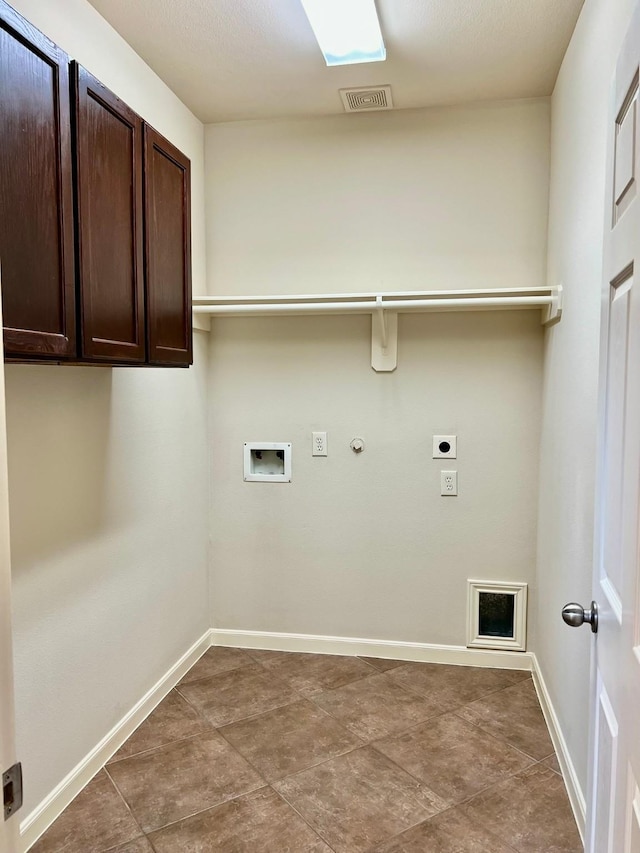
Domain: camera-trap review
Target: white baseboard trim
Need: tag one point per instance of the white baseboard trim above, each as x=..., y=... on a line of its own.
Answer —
x=571, y=781
x=41, y=818
x=421, y=652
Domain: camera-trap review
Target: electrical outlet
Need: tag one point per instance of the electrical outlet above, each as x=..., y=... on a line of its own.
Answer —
x=449, y=483
x=319, y=447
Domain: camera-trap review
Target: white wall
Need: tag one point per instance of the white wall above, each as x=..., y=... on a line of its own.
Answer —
x=108, y=489
x=8, y=829
x=410, y=200
x=365, y=546
x=568, y=441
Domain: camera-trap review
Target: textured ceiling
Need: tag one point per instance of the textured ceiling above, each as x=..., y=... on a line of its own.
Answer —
x=248, y=59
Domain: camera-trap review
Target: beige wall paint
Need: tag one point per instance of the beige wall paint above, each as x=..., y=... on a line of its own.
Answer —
x=365, y=546
x=108, y=489
x=568, y=442
x=408, y=200
x=8, y=829
x=108, y=499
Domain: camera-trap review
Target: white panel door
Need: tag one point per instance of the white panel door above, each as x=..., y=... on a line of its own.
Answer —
x=8, y=828
x=613, y=821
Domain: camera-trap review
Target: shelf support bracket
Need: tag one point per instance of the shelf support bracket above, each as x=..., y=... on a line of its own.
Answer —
x=552, y=314
x=384, y=338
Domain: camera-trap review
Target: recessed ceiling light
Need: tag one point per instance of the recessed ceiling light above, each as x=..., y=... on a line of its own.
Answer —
x=347, y=31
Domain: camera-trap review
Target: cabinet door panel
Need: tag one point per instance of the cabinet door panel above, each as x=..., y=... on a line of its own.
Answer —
x=168, y=251
x=36, y=193
x=110, y=246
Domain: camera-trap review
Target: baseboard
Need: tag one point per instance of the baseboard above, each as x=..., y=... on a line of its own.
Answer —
x=571, y=781
x=421, y=652
x=41, y=818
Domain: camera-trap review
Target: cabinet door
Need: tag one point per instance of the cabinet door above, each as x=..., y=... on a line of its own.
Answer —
x=110, y=224
x=167, y=183
x=36, y=193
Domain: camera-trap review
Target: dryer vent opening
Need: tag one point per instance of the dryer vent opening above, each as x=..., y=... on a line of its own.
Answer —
x=497, y=615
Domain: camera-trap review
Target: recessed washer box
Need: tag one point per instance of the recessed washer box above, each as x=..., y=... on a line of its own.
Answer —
x=267, y=461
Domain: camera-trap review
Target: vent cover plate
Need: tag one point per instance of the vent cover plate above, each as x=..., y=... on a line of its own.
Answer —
x=367, y=99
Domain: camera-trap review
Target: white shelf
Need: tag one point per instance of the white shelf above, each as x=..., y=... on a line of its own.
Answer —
x=384, y=309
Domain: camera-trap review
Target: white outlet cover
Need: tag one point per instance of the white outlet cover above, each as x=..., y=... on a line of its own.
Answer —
x=319, y=444
x=444, y=440
x=449, y=484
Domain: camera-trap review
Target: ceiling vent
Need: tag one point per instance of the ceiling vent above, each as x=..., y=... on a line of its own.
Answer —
x=365, y=100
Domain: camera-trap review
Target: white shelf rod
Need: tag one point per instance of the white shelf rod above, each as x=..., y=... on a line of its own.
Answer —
x=384, y=309
x=367, y=307
x=353, y=303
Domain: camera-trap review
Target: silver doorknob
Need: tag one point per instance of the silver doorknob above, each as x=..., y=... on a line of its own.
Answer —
x=575, y=615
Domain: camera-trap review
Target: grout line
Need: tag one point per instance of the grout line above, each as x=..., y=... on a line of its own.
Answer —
x=533, y=763
x=319, y=764
x=303, y=818
x=395, y=733
x=455, y=707
x=307, y=695
x=151, y=844
x=452, y=808
x=212, y=674
x=127, y=806
x=207, y=809
x=162, y=746
x=503, y=740
x=490, y=827
x=151, y=749
x=272, y=782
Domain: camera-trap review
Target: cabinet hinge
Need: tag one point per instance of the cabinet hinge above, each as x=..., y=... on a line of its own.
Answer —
x=12, y=790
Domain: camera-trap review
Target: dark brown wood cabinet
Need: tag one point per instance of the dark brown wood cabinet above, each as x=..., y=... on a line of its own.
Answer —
x=95, y=236
x=167, y=209
x=109, y=166
x=36, y=193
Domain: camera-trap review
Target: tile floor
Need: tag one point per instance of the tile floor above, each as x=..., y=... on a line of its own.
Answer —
x=271, y=752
